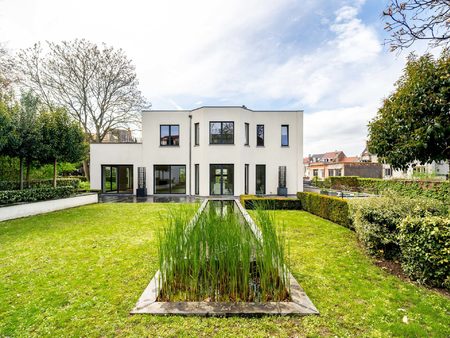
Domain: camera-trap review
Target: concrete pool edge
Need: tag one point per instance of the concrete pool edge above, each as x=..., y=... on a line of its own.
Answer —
x=299, y=305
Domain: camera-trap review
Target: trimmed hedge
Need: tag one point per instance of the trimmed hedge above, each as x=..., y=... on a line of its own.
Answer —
x=439, y=190
x=376, y=221
x=425, y=245
x=271, y=203
x=34, y=195
x=60, y=182
x=332, y=208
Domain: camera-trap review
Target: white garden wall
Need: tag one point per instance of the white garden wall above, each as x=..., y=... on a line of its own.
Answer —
x=36, y=208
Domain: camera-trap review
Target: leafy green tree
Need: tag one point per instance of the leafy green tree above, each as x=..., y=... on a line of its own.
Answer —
x=25, y=139
x=414, y=121
x=30, y=106
x=6, y=126
x=62, y=139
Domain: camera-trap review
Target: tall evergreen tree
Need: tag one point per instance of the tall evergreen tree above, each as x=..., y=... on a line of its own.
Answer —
x=62, y=139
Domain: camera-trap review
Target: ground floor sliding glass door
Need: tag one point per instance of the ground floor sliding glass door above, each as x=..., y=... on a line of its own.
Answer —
x=117, y=179
x=169, y=179
x=221, y=179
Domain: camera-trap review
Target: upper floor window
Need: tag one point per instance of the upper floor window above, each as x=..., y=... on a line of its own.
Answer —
x=247, y=137
x=197, y=134
x=284, y=135
x=260, y=135
x=221, y=132
x=169, y=135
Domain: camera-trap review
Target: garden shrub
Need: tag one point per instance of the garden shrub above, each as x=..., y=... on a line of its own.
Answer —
x=343, y=182
x=376, y=220
x=270, y=203
x=60, y=182
x=332, y=208
x=425, y=245
x=317, y=182
x=33, y=195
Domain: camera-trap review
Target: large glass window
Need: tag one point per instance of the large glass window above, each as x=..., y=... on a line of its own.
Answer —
x=221, y=179
x=117, y=179
x=260, y=179
x=170, y=179
x=197, y=134
x=260, y=135
x=221, y=132
x=284, y=135
x=246, y=174
x=197, y=179
x=247, y=131
x=169, y=135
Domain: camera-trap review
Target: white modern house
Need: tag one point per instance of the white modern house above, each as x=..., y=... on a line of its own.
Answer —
x=206, y=151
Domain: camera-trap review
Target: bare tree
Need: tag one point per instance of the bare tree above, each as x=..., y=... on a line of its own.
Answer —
x=98, y=85
x=412, y=20
x=7, y=74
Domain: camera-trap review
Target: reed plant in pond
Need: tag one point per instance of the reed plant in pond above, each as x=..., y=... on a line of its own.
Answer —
x=219, y=259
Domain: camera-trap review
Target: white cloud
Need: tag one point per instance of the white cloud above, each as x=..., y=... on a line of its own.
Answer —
x=337, y=129
x=253, y=52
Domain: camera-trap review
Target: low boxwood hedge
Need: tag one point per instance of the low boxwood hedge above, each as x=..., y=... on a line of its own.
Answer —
x=34, y=195
x=439, y=190
x=425, y=246
x=272, y=203
x=332, y=208
x=60, y=182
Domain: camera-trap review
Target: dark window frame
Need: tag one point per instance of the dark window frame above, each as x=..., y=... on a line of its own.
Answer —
x=117, y=191
x=170, y=134
x=256, y=179
x=247, y=134
x=221, y=133
x=170, y=178
x=246, y=178
x=197, y=179
x=263, y=135
x=287, y=130
x=221, y=165
x=197, y=134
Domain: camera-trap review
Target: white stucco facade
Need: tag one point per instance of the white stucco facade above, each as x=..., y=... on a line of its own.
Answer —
x=151, y=154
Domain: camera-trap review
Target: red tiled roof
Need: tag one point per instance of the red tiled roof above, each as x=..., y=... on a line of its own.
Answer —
x=350, y=159
x=333, y=154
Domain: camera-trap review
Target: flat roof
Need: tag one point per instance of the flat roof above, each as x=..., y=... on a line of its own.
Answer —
x=209, y=107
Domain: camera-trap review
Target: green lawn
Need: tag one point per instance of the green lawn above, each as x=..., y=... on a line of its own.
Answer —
x=79, y=272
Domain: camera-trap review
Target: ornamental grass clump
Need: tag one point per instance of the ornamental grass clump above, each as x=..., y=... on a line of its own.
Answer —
x=219, y=259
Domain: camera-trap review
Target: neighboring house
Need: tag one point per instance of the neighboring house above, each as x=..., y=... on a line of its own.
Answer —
x=438, y=170
x=206, y=151
x=336, y=163
x=119, y=136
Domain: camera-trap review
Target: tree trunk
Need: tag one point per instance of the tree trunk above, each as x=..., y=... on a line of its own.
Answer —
x=28, y=173
x=86, y=170
x=54, y=173
x=21, y=173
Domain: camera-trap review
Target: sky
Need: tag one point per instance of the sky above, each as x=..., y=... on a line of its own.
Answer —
x=325, y=57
